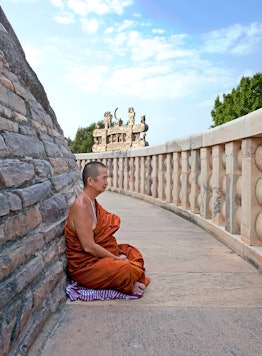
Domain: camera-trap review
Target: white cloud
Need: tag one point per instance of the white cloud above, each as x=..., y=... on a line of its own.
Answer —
x=57, y=3
x=98, y=7
x=158, y=30
x=22, y=1
x=89, y=79
x=89, y=26
x=238, y=39
x=65, y=18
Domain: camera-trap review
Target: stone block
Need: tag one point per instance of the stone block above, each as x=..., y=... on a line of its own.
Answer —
x=7, y=325
x=8, y=125
x=35, y=193
x=15, y=173
x=42, y=168
x=50, y=252
x=30, y=146
x=52, y=231
x=19, y=118
x=21, y=91
x=59, y=165
x=22, y=223
x=3, y=148
x=15, y=203
x=6, y=112
x=54, y=209
x=12, y=100
x=27, y=130
x=28, y=272
x=58, y=294
x=46, y=285
x=15, y=255
x=33, y=327
x=53, y=150
x=4, y=205
x=63, y=180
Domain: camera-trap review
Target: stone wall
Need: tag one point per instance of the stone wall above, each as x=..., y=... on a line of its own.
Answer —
x=39, y=179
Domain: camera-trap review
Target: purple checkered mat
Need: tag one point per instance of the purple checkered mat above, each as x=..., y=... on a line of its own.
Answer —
x=77, y=292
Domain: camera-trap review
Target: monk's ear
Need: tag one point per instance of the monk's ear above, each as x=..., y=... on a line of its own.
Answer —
x=89, y=180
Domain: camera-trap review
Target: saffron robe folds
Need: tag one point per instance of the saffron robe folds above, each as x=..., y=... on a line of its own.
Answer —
x=107, y=272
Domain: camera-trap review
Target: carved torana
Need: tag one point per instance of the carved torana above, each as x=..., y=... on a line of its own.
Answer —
x=116, y=136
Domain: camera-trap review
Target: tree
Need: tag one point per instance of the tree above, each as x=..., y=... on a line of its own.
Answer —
x=84, y=141
x=247, y=97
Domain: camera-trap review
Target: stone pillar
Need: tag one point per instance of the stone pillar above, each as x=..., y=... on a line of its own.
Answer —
x=142, y=175
x=115, y=173
x=131, y=173
x=233, y=173
x=205, y=187
x=251, y=217
x=218, y=173
x=120, y=173
x=161, y=177
x=176, y=178
x=168, y=178
x=110, y=172
x=154, y=177
x=184, y=178
x=137, y=174
x=126, y=173
x=148, y=177
x=195, y=190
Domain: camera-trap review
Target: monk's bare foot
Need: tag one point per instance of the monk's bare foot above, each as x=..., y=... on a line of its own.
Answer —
x=138, y=288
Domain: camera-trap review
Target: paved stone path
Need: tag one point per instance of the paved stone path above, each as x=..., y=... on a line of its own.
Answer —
x=203, y=299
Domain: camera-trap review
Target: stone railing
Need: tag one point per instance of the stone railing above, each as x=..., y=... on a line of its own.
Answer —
x=213, y=179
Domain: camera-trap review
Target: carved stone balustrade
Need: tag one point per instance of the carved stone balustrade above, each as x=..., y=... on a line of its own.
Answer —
x=213, y=179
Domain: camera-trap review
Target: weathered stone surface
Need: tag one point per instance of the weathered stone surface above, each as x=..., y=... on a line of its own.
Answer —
x=35, y=193
x=51, y=231
x=7, y=325
x=22, y=223
x=8, y=125
x=3, y=148
x=15, y=202
x=45, y=287
x=42, y=169
x=4, y=205
x=12, y=100
x=54, y=209
x=61, y=181
x=30, y=146
x=52, y=150
x=15, y=173
x=59, y=165
x=12, y=257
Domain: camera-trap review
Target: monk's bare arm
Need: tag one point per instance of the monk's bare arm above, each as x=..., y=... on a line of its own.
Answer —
x=83, y=226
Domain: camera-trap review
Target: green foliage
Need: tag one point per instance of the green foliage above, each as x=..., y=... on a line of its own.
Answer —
x=247, y=97
x=84, y=141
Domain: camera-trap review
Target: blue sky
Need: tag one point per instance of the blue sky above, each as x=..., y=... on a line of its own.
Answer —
x=168, y=59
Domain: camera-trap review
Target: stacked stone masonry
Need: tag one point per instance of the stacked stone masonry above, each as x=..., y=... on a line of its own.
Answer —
x=39, y=179
x=213, y=179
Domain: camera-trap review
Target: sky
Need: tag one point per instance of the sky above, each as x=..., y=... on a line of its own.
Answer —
x=167, y=59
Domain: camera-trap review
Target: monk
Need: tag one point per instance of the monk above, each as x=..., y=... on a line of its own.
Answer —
x=95, y=259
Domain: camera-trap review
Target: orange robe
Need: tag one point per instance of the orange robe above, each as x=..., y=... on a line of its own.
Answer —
x=104, y=273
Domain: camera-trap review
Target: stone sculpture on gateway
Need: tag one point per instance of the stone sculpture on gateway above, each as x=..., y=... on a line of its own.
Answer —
x=116, y=136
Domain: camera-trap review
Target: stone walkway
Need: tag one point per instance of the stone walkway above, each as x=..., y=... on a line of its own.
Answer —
x=203, y=299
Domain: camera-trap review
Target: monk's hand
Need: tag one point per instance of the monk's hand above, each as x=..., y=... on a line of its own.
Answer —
x=122, y=257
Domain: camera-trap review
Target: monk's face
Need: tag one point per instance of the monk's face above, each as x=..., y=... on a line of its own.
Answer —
x=100, y=182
